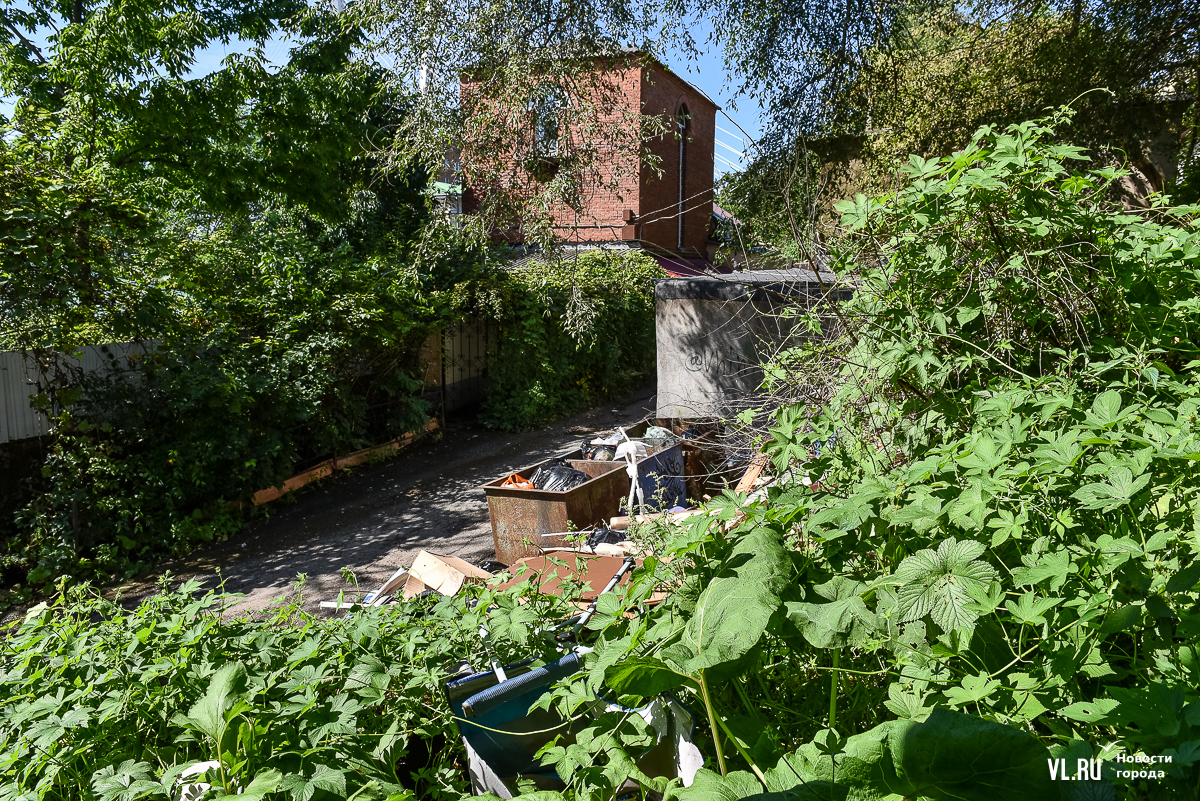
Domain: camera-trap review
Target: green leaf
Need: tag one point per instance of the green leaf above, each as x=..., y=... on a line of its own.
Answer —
x=733, y=611
x=906, y=705
x=208, y=714
x=266, y=782
x=1120, y=619
x=1106, y=409
x=1089, y=711
x=1153, y=708
x=863, y=767
x=371, y=791
x=972, y=689
x=125, y=782
x=710, y=786
x=1114, y=493
x=645, y=677
x=939, y=583
x=844, y=620
x=1053, y=565
x=1185, y=579
x=957, y=757
x=1030, y=609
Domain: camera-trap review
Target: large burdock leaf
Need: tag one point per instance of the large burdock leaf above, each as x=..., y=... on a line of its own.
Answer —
x=939, y=583
x=732, y=612
x=844, y=620
x=644, y=676
x=957, y=757
x=864, y=769
x=949, y=757
x=710, y=786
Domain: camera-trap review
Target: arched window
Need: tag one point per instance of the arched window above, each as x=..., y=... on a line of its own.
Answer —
x=681, y=130
x=546, y=110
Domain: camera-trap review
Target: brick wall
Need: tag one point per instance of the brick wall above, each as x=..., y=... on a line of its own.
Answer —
x=620, y=183
x=665, y=93
x=614, y=188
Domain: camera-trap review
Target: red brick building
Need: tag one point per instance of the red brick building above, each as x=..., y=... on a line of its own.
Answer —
x=630, y=204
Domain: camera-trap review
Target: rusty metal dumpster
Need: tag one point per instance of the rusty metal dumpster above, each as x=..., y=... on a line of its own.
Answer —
x=521, y=516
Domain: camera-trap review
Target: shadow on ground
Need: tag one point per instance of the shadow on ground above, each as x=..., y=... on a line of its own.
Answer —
x=376, y=518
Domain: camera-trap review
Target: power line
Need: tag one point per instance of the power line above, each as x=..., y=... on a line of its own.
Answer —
x=727, y=161
x=731, y=133
x=739, y=153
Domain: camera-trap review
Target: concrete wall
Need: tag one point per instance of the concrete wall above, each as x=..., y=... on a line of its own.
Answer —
x=714, y=333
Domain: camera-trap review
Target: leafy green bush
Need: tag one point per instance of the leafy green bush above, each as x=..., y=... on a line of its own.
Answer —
x=241, y=226
x=101, y=703
x=280, y=339
x=571, y=332
x=986, y=558
x=981, y=567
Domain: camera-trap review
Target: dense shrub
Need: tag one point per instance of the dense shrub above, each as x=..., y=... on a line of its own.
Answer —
x=572, y=332
x=995, y=514
x=282, y=342
x=980, y=565
x=101, y=703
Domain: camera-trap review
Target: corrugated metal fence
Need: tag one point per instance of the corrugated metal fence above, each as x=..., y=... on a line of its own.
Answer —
x=21, y=379
x=456, y=370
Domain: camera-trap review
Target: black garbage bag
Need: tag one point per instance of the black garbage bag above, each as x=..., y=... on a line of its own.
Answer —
x=557, y=476
x=599, y=453
x=605, y=535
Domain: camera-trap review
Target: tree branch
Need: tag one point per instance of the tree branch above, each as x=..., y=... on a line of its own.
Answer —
x=28, y=44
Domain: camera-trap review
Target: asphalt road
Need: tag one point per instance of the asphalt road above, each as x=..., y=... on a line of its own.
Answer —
x=375, y=518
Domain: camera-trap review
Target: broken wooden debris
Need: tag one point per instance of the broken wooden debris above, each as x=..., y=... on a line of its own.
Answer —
x=623, y=522
x=550, y=573
x=757, y=464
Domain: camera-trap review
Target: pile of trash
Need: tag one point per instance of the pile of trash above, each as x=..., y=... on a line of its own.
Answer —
x=491, y=702
x=557, y=476
x=618, y=445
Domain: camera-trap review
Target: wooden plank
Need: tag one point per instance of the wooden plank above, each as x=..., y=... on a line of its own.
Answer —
x=326, y=468
x=751, y=475
x=623, y=522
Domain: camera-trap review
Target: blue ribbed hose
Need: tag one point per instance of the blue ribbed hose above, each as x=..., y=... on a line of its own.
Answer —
x=483, y=702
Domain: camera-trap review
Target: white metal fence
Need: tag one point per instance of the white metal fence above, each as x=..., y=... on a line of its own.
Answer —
x=21, y=379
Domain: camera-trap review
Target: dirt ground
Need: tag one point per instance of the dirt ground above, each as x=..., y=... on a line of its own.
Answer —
x=375, y=518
